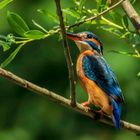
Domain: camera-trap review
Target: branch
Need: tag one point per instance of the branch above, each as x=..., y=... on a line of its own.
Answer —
x=67, y=54
x=96, y=16
x=63, y=101
x=132, y=14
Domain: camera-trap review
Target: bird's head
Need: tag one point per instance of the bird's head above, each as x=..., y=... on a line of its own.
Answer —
x=86, y=41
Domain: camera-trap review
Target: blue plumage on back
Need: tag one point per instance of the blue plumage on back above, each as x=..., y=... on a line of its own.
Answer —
x=96, y=69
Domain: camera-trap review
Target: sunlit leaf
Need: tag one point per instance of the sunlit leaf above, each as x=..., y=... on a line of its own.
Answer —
x=39, y=26
x=17, y=23
x=125, y=35
x=34, y=34
x=113, y=24
x=4, y=45
x=11, y=57
x=4, y=3
x=77, y=2
x=138, y=74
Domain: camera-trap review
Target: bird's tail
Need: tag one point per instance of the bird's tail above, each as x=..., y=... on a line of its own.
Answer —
x=117, y=109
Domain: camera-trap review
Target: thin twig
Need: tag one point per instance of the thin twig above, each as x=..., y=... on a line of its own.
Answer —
x=132, y=14
x=67, y=54
x=63, y=101
x=96, y=16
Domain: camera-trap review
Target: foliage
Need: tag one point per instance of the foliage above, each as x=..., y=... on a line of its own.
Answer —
x=3, y=3
x=115, y=22
x=29, y=117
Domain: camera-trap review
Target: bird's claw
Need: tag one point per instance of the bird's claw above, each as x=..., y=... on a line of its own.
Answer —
x=87, y=109
x=85, y=105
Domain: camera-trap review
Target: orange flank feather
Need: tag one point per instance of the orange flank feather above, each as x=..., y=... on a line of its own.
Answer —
x=96, y=95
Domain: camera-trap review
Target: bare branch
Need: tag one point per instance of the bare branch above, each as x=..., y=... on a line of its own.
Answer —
x=132, y=14
x=67, y=54
x=96, y=16
x=63, y=101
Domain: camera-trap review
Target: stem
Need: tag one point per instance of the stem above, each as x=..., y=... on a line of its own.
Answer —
x=24, y=41
x=63, y=101
x=67, y=54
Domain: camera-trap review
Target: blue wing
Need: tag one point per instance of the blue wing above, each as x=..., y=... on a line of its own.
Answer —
x=96, y=69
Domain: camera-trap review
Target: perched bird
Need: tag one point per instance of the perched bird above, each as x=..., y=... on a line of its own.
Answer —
x=96, y=76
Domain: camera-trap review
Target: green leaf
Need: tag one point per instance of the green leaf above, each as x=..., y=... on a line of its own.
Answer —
x=11, y=57
x=125, y=21
x=39, y=26
x=108, y=22
x=5, y=45
x=17, y=23
x=71, y=12
x=4, y=3
x=50, y=15
x=138, y=74
x=126, y=34
x=34, y=34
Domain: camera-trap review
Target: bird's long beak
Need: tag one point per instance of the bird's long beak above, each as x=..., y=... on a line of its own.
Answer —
x=74, y=37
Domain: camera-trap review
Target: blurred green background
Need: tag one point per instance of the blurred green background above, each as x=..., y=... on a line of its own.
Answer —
x=27, y=116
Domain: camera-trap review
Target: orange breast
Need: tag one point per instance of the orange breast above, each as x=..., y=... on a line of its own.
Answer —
x=96, y=95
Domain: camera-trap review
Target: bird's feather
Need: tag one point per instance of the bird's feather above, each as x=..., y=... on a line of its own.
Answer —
x=117, y=109
x=96, y=69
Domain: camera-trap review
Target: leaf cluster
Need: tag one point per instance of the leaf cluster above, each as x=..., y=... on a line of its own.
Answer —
x=115, y=22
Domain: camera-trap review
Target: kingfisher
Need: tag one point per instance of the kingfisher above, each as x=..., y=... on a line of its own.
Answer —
x=96, y=76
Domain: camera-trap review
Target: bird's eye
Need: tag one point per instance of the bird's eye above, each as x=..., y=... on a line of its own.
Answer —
x=89, y=36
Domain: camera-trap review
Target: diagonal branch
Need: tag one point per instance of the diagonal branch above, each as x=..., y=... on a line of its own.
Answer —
x=63, y=101
x=96, y=16
x=67, y=54
x=132, y=14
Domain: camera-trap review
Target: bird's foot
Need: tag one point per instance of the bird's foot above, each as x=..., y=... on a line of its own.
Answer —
x=85, y=104
x=87, y=109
